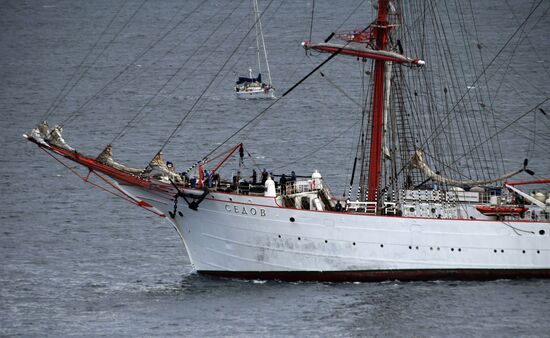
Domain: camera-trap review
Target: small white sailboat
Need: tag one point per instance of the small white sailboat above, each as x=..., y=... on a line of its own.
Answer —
x=253, y=87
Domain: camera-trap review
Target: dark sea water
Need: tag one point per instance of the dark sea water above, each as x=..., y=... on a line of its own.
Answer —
x=75, y=261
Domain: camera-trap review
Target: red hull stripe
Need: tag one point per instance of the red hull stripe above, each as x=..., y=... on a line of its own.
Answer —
x=384, y=275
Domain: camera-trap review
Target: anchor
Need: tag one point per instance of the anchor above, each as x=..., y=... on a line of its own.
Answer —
x=193, y=205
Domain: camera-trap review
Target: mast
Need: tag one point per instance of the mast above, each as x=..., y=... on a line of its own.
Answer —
x=256, y=21
x=378, y=104
x=259, y=22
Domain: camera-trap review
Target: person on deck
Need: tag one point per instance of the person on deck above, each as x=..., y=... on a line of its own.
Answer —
x=170, y=166
x=208, y=178
x=282, y=182
x=254, y=178
x=184, y=178
x=293, y=176
x=216, y=179
x=264, y=176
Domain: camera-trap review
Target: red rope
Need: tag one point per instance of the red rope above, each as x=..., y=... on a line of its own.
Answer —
x=123, y=194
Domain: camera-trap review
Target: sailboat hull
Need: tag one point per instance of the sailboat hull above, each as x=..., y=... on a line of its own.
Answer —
x=255, y=93
x=252, y=237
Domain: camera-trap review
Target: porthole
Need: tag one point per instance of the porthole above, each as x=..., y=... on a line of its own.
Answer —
x=541, y=232
x=452, y=249
x=299, y=238
x=433, y=210
x=495, y=250
x=501, y=250
x=292, y=219
x=353, y=243
x=523, y=251
x=411, y=209
x=381, y=245
x=230, y=199
x=416, y=248
x=326, y=241
x=538, y=251
x=431, y=248
x=410, y=247
x=437, y=248
x=279, y=236
x=180, y=213
x=459, y=249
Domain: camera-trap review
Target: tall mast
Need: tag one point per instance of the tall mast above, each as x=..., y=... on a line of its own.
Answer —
x=378, y=103
x=263, y=42
x=256, y=21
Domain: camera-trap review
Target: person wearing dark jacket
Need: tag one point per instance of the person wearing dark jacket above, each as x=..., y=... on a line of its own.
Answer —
x=282, y=182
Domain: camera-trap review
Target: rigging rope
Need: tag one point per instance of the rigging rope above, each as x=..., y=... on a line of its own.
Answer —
x=75, y=113
x=505, y=127
x=137, y=58
x=276, y=100
x=61, y=96
x=311, y=153
x=172, y=76
x=288, y=90
x=178, y=126
x=438, y=128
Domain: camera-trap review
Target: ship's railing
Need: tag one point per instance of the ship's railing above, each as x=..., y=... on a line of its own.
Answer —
x=300, y=186
x=390, y=208
x=428, y=195
x=296, y=187
x=366, y=207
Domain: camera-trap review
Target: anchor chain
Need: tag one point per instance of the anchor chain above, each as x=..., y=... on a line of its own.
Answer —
x=173, y=213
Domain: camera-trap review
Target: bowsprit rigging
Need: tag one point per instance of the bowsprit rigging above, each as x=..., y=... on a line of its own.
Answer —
x=430, y=203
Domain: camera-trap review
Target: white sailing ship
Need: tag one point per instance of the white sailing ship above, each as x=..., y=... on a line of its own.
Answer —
x=253, y=87
x=406, y=221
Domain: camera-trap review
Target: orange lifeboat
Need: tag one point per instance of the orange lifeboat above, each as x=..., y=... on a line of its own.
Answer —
x=501, y=210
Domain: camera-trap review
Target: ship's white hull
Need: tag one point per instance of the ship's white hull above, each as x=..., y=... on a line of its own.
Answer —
x=245, y=236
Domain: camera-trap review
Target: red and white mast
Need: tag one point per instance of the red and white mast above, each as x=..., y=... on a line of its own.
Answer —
x=371, y=43
x=377, y=125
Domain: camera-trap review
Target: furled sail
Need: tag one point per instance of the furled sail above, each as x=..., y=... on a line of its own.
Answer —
x=419, y=163
x=43, y=135
x=55, y=138
x=361, y=50
x=106, y=157
x=159, y=167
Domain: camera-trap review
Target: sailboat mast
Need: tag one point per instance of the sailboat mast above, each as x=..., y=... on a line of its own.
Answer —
x=378, y=104
x=263, y=43
x=256, y=22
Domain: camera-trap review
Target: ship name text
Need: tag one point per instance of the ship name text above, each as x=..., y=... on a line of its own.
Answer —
x=244, y=210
